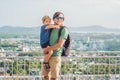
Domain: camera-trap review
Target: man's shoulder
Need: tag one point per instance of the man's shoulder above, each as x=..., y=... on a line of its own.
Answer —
x=64, y=29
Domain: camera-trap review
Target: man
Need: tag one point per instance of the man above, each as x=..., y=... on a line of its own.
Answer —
x=56, y=45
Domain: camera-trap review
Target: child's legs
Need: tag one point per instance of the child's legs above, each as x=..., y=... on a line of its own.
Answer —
x=47, y=56
x=45, y=73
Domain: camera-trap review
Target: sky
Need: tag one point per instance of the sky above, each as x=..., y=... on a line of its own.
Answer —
x=78, y=13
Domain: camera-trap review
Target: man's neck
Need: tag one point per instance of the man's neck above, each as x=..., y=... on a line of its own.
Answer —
x=58, y=24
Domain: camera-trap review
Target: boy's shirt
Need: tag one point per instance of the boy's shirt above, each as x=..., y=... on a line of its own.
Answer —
x=44, y=36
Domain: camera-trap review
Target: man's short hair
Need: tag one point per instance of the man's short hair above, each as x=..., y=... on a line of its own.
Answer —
x=56, y=14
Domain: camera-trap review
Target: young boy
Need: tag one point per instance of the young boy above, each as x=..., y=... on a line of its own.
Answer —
x=44, y=39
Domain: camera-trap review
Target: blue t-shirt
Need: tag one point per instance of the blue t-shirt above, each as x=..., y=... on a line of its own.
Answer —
x=44, y=36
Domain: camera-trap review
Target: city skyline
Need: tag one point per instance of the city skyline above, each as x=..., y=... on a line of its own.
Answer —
x=77, y=13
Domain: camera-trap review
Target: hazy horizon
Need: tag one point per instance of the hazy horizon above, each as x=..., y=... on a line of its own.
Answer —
x=28, y=13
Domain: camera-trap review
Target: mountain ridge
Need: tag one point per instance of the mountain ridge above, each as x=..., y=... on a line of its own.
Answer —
x=93, y=28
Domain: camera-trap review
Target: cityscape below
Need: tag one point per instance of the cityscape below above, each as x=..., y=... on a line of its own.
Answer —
x=93, y=55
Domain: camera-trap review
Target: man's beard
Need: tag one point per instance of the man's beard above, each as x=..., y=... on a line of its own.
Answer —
x=58, y=24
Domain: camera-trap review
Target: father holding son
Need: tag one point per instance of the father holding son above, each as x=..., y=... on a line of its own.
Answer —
x=55, y=48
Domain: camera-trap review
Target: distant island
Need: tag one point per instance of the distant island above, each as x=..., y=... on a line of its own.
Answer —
x=94, y=28
x=35, y=30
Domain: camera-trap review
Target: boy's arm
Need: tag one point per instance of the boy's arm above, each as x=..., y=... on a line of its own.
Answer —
x=51, y=26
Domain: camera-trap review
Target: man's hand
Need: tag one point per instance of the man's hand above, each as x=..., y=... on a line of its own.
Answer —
x=46, y=50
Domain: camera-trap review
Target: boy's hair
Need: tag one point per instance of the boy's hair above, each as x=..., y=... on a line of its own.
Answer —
x=45, y=17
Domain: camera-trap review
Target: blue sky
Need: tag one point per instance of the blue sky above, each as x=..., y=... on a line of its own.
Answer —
x=77, y=12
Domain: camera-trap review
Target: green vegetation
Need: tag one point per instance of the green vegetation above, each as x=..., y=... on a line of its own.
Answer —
x=31, y=54
x=76, y=66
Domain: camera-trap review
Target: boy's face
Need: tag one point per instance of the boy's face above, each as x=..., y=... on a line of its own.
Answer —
x=47, y=22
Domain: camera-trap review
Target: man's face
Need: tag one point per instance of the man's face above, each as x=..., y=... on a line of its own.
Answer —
x=59, y=20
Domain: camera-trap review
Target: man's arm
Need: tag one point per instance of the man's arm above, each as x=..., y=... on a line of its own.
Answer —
x=61, y=41
x=56, y=46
